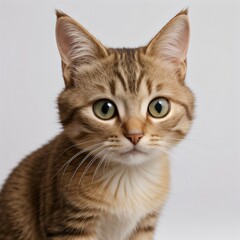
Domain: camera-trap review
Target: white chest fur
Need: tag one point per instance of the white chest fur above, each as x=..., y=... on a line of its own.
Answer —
x=114, y=228
x=134, y=192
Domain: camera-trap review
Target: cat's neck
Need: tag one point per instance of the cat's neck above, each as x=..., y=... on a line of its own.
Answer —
x=114, y=184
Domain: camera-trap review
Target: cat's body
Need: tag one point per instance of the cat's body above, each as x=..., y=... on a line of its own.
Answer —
x=34, y=204
x=106, y=176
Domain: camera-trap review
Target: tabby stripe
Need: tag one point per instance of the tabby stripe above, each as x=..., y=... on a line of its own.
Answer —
x=172, y=123
x=152, y=215
x=72, y=208
x=130, y=70
x=189, y=115
x=146, y=229
x=84, y=211
x=101, y=88
x=149, y=86
x=112, y=85
x=120, y=77
x=180, y=132
x=159, y=87
x=140, y=80
x=70, y=116
x=81, y=219
x=131, y=85
x=86, y=124
x=68, y=231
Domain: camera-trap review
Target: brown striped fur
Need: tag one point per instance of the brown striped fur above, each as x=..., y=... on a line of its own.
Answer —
x=91, y=182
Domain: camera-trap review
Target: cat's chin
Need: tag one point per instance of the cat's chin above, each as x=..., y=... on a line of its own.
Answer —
x=135, y=157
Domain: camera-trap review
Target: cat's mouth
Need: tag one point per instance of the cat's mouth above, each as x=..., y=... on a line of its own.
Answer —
x=133, y=152
x=132, y=156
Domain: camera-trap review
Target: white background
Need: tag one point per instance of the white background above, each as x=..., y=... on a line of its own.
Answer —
x=204, y=202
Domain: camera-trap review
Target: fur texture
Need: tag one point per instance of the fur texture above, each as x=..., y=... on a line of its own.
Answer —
x=104, y=179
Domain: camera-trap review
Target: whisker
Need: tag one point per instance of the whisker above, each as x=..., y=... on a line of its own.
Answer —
x=75, y=145
x=106, y=160
x=75, y=156
x=90, y=164
x=84, y=159
x=166, y=150
x=72, y=158
x=187, y=138
x=99, y=164
x=192, y=148
x=184, y=157
x=181, y=163
x=66, y=164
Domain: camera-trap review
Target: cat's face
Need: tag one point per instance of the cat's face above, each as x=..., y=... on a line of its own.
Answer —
x=125, y=105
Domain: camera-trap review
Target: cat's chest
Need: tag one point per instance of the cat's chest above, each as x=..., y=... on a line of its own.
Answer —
x=136, y=189
x=115, y=227
x=133, y=194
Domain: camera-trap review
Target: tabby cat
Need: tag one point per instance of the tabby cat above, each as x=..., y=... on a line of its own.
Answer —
x=106, y=175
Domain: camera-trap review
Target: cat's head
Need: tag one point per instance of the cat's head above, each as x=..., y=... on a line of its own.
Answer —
x=125, y=105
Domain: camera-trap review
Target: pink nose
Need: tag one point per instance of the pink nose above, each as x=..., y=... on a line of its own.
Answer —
x=134, y=138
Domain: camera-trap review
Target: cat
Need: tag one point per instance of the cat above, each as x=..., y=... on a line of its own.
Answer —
x=106, y=175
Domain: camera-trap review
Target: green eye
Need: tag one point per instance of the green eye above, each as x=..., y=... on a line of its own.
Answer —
x=104, y=109
x=159, y=107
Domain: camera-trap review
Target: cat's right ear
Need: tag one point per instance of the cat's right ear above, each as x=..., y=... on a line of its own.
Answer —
x=76, y=44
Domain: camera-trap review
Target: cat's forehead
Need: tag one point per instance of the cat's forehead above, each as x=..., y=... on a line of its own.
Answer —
x=127, y=69
x=127, y=75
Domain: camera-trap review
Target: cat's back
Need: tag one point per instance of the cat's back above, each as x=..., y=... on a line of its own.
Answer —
x=20, y=195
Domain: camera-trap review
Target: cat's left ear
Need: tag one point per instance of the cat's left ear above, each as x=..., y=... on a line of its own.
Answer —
x=76, y=44
x=171, y=43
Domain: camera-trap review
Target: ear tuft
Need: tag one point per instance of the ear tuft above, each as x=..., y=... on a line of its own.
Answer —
x=60, y=14
x=183, y=12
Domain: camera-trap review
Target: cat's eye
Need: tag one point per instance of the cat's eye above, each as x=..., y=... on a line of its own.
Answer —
x=104, y=109
x=159, y=107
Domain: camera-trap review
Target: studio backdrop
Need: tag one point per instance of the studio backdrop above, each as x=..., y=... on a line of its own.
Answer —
x=204, y=198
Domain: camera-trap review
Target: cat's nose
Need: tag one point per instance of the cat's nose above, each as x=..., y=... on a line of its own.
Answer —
x=134, y=138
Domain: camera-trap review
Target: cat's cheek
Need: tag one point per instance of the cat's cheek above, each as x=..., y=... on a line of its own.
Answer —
x=73, y=131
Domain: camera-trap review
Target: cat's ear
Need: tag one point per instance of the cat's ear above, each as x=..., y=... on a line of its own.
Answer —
x=171, y=43
x=76, y=43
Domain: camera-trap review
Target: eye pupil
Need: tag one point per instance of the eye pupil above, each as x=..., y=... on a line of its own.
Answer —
x=106, y=107
x=158, y=107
